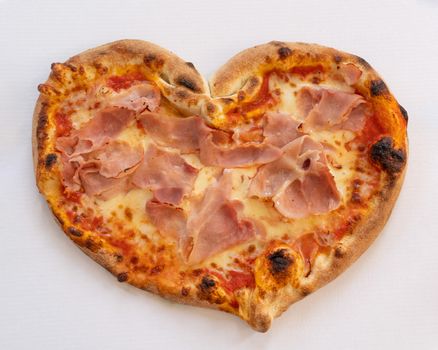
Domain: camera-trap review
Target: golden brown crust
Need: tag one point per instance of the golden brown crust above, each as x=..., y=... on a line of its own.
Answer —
x=183, y=86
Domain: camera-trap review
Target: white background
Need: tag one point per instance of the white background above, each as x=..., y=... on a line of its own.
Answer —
x=54, y=297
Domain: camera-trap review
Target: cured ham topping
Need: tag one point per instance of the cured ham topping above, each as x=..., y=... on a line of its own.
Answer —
x=139, y=97
x=350, y=73
x=166, y=174
x=180, y=133
x=214, y=223
x=248, y=154
x=300, y=182
x=280, y=129
x=102, y=172
x=323, y=109
x=105, y=126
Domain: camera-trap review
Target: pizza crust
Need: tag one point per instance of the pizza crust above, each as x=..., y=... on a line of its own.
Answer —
x=181, y=84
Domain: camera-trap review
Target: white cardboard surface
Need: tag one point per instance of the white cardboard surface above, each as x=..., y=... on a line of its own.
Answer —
x=53, y=297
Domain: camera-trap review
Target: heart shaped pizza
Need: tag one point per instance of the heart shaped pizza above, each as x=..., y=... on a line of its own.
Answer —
x=244, y=194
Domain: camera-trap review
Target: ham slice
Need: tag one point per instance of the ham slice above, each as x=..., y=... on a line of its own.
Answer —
x=280, y=129
x=100, y=186
x=138, y=98
x=192, y=134
x=105, y=126
x=356, y=120
x=324, y=109
x=215, y=222
x=117, y=159
x=350, y=73
x=98, y=171
x=169, y=220
x=180, y=133
x=236, y=155
x=166, y=174
x=299, y=183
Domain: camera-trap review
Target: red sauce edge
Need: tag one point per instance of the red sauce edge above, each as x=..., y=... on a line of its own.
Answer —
x=63, y=124
x=306, y=70
x=236, y=280
x=262, y=98
x=119, y=82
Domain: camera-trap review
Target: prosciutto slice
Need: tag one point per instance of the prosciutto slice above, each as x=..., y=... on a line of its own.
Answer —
x=323, y=109
x=105, y=126
x=215, y=222
x=180, y=133
x=138, y=98
x=236, y=155
x=170, y=221
x=280, y=129
x=166, y=174
x=103, y=171
x=299, y=183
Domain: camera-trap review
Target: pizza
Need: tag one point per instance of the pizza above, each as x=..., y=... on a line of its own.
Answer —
x=243, y=194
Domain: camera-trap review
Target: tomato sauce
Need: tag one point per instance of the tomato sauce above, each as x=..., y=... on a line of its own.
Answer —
x=262, y=99
x=63, y=124
x=306, y=70
x=119, y=82
x=236, y=280
x=74, y=197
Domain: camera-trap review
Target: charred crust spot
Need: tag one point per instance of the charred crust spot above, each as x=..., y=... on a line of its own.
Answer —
x=122, y=277
x=390, y=159
x=50, y=160
x=182, y=94
x=71, y=67
x=207, y=284
x=280, y=261
x=284, y=52
x=157, y=269
x=101, y=69
x=191, y=65
x=185, y=291
x=74, y=232
x=91, y=245
x=337, y=58
x=41, y=126
x=404, y=112
x=338, y=253
x=119, y=258
x=149, y=59
x=187, y=83
x=363, y=62
x=378, y=87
